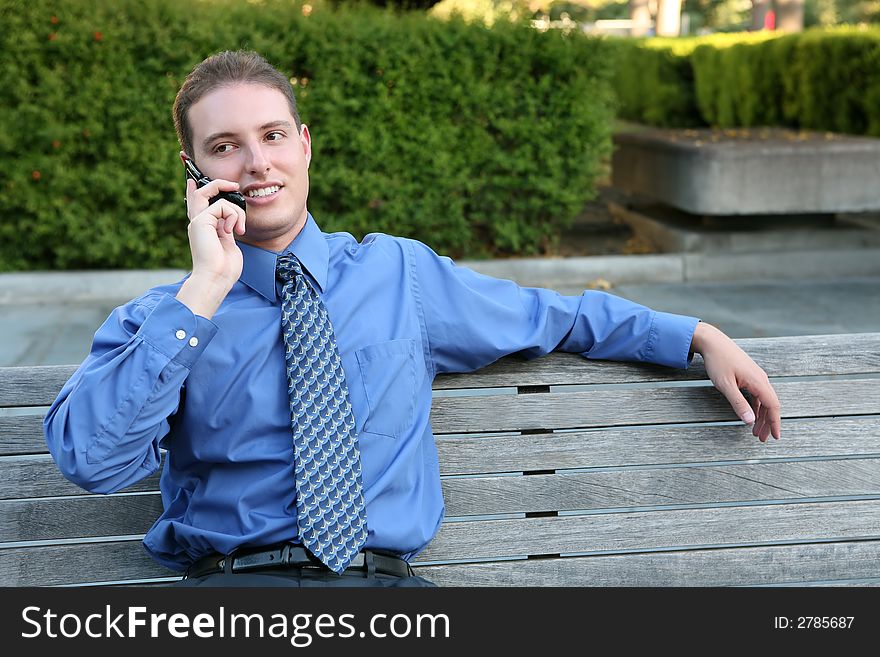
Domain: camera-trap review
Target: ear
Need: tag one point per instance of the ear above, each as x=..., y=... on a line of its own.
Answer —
x=184, y=157
x=306, y=140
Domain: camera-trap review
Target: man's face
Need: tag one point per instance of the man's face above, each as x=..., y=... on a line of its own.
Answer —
x=245, y=133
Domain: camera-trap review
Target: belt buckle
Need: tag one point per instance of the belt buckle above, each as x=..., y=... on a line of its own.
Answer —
x=256, y=560
x=286, y=554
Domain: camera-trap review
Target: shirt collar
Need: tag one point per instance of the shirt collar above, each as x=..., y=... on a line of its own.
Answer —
x=310, y=248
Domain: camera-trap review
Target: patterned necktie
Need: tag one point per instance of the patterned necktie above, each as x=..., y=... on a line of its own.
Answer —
x=330, y=508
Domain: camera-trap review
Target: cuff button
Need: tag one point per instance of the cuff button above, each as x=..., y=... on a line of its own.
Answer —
x=193, y=341
x=181, y=334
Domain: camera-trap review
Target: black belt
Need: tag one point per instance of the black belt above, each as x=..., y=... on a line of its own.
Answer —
x=291, y=556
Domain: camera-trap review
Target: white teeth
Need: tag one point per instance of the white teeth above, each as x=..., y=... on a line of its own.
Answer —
x=263, y=191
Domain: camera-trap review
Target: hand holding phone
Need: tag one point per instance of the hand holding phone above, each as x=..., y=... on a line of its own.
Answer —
x=216, y=258
x=192, y=171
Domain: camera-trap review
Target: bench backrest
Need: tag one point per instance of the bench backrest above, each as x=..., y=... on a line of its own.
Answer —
x=558, y=471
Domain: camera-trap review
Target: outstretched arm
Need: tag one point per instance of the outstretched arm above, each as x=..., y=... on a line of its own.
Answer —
x=730, y=370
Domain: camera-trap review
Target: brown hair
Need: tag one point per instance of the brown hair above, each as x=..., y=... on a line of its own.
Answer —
x=225, y=68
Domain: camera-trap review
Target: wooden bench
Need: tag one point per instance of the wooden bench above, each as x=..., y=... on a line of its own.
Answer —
x=558, y=471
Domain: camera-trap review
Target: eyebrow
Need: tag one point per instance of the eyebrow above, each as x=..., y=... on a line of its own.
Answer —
x=223, y=135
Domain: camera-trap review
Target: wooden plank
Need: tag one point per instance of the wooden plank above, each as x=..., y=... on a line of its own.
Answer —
x=121, y=515
x=120, y=561
x=616, y=489
x=814, y=355
x=38, y=476
x=752, y=566
x=78, y=517
x=655, y=446
x=668, y=529
x=603, y=407
x=22, y=434
x=785, y=356
x=78, y=564
x=32, y=386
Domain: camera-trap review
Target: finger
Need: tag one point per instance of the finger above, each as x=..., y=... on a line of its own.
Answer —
x=228, y=215
x=755, y=405
x=771, y=409
x=214, y=187
x=736, y=399
x=776, y=426
x=760, y=430
x=240, y=224
x=755, y=402
x=191, y=208
x=200, y=198
x=235, y=221
x=772, y=422
x=756, y=425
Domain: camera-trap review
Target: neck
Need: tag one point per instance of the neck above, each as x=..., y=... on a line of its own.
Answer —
x=275, y=242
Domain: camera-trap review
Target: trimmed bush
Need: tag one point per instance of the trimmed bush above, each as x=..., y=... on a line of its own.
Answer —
x=654, y=82
x=818, y=79
x=478, y=141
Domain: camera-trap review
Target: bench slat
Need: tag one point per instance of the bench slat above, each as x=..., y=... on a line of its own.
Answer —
x=785, y=356
x=22, y=434
x=98, y=515
x=78, y=564
x=32, y=386
x=559, y=410
x=642, y=530
x=78, y=517
x=655, y=445
x=813, y=355
x=753, y=566
x=577, y=491
x=38, y=476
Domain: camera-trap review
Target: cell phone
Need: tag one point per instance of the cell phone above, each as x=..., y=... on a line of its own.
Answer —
x=192, y=171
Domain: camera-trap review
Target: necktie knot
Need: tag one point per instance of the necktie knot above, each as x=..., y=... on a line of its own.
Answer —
x=287, y=267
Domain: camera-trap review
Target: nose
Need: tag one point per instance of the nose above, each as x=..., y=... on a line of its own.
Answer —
x=257, y=162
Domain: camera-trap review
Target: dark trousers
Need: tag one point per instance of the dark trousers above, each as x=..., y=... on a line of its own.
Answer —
x=301, y=577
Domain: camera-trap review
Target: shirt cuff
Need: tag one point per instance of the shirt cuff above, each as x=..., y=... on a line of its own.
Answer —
x=175, y=331
x=670, y=340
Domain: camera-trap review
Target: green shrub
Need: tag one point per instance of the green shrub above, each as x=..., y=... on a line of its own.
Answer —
x=818, y=79
x=476, y=141
x=653, y=82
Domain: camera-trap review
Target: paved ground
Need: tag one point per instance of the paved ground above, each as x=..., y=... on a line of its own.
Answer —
x=60, y=333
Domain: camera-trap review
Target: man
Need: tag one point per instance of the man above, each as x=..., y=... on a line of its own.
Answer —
x=254, y=457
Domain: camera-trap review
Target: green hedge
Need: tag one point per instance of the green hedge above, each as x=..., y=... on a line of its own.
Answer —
x=818, y=79
x=476, y=141
x=654, y=81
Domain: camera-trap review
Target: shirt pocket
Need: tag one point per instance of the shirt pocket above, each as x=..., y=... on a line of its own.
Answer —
x=388, y=372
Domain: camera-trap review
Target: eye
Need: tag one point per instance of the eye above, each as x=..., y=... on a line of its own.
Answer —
x=222, y=148
x=275, y=135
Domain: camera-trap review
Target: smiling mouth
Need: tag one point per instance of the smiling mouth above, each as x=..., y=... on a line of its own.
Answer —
x=263, y=192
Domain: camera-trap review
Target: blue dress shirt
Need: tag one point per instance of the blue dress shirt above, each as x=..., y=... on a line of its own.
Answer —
x=213, y=393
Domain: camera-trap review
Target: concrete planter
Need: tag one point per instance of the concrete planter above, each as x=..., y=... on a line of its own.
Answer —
x=754, y=172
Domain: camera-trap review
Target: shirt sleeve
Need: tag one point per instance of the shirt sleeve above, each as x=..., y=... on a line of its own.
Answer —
x=472, y=320
x=104, y=428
